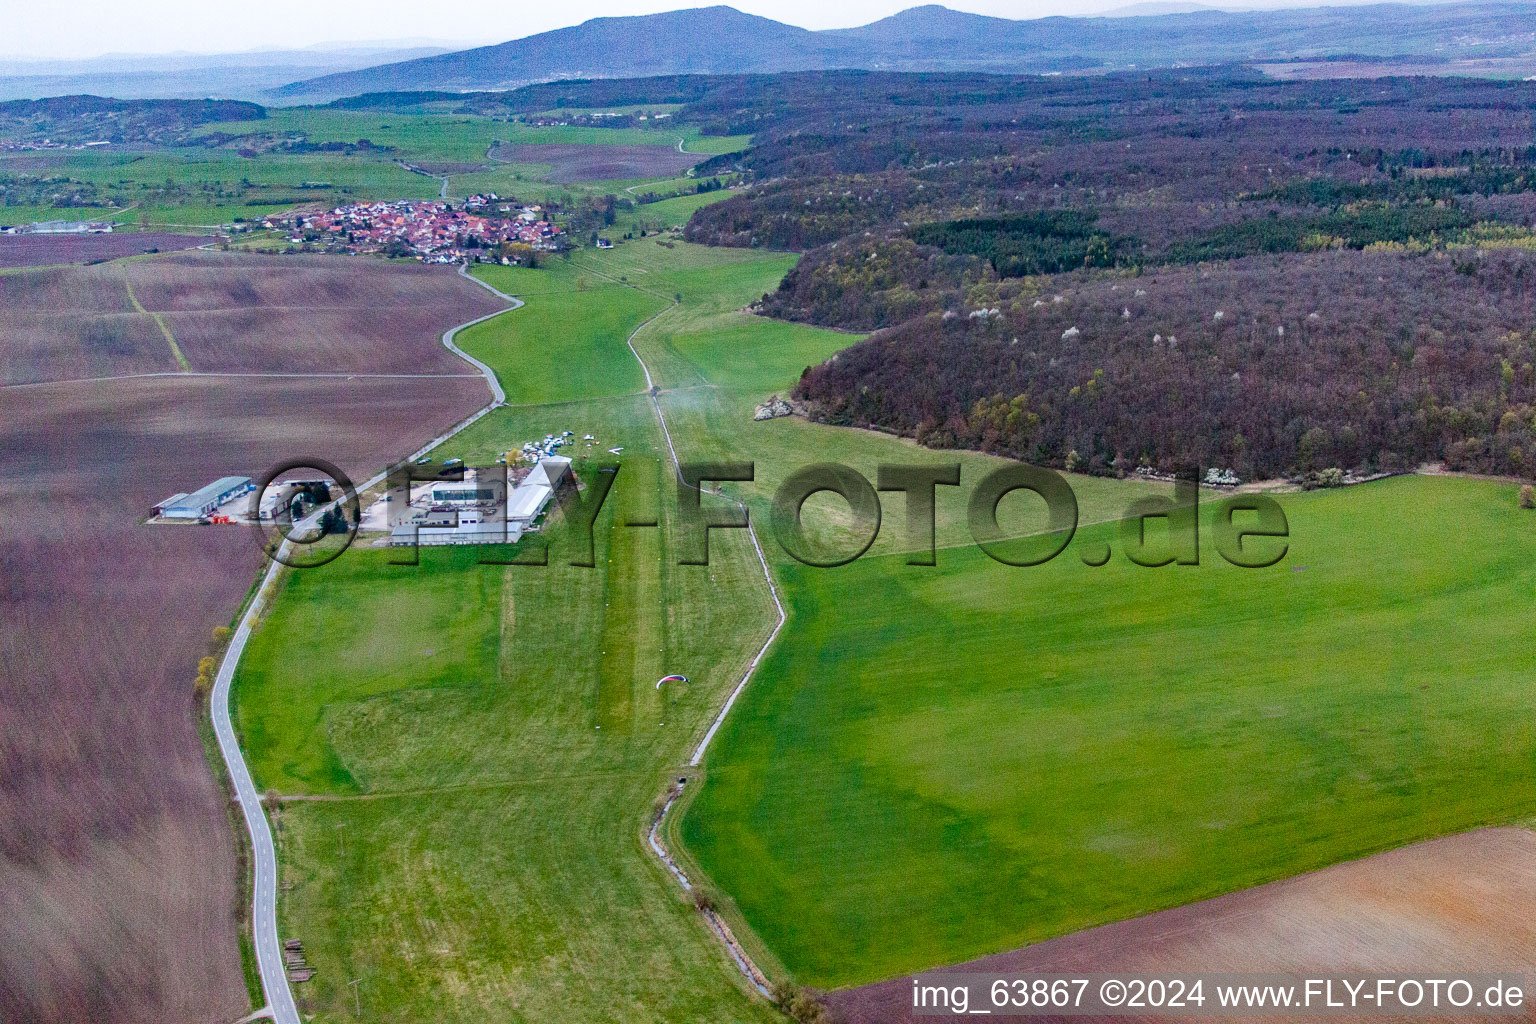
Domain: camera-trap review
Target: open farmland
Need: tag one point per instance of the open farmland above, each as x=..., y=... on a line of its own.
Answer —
x=449, y=138
x=487, y=741
x=1167, y=735
x=1004, y=796
x=233, y=313
x=120, y=889
x=47, y=250
x=1457, y=903
x=242, y=170
x=468, y=780
x=575, y=162
x=469, y=762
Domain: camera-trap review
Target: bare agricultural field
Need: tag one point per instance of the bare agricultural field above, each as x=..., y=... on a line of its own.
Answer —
x=118, y=867
x=232, y=313
x=47, y=250
x=1487, y=67
x=1458, y=904
x=118, y=872
x=316, y=341
x=573, y=163
x=42, y=346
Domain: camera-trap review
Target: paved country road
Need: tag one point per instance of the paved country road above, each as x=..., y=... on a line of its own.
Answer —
x=269, y=953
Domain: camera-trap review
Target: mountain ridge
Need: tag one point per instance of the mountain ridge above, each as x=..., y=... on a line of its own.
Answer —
x=723, y=40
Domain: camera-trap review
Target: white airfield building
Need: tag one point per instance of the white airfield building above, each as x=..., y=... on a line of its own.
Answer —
x=471, y=512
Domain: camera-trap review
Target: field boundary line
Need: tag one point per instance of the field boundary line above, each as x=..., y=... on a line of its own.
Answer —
x=269, y=959
x=165, y=328
x=717, y=924
x=531, y=782
x=237, y=373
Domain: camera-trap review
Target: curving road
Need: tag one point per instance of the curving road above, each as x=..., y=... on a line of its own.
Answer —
x=269, y=956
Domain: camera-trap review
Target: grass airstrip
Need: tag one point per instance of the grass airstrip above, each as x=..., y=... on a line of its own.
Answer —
x=932, y=763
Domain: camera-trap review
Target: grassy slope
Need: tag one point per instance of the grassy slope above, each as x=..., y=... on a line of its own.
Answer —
x=565, y=346
x=1041, y=801
x=459, y=137
x=1123, y=739
x=495, y=869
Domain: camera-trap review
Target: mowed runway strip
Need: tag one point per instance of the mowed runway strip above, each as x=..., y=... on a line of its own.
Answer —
x=476, y=848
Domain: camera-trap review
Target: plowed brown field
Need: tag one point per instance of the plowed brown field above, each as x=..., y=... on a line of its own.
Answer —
x=43, y=250
x=1459, y=904
x=238, y=313
x=573, y=162
x=118, y=869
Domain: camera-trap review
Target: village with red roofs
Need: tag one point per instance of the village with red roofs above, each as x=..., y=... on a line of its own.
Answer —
x=484, y=229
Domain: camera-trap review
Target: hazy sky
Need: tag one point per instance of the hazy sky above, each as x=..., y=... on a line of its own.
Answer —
x=87, y=28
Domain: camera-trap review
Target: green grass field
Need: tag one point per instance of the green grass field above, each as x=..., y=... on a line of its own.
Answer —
x=203, y=187
x=484, y=743
x=206, y=187
x=458, y=137
x=1034, y=751
x=565, y=346
x=1029, y=751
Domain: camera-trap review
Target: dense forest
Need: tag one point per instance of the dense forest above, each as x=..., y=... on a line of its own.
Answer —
x=1200, y=268
x=1268, y=365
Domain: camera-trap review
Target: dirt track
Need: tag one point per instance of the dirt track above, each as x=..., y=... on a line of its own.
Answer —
x=1462, y=903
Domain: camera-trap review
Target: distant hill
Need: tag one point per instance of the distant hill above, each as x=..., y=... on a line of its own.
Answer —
x=81, y=120
x=192, y=76
x=717, y=40
x=709, y=40
x=1154, y=7
x=931, y=23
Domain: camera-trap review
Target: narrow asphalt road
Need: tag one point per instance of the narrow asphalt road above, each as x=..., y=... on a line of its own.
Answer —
x=269, y=955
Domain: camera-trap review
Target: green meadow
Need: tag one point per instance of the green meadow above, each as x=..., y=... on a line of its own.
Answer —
x=205, y=187
x=1034, y=751
x=209, y=187
x=470, y=753
x=565, y=346
x=457, y=137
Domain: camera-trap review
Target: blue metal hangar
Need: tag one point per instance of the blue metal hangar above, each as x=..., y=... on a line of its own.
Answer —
x=203, y=501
